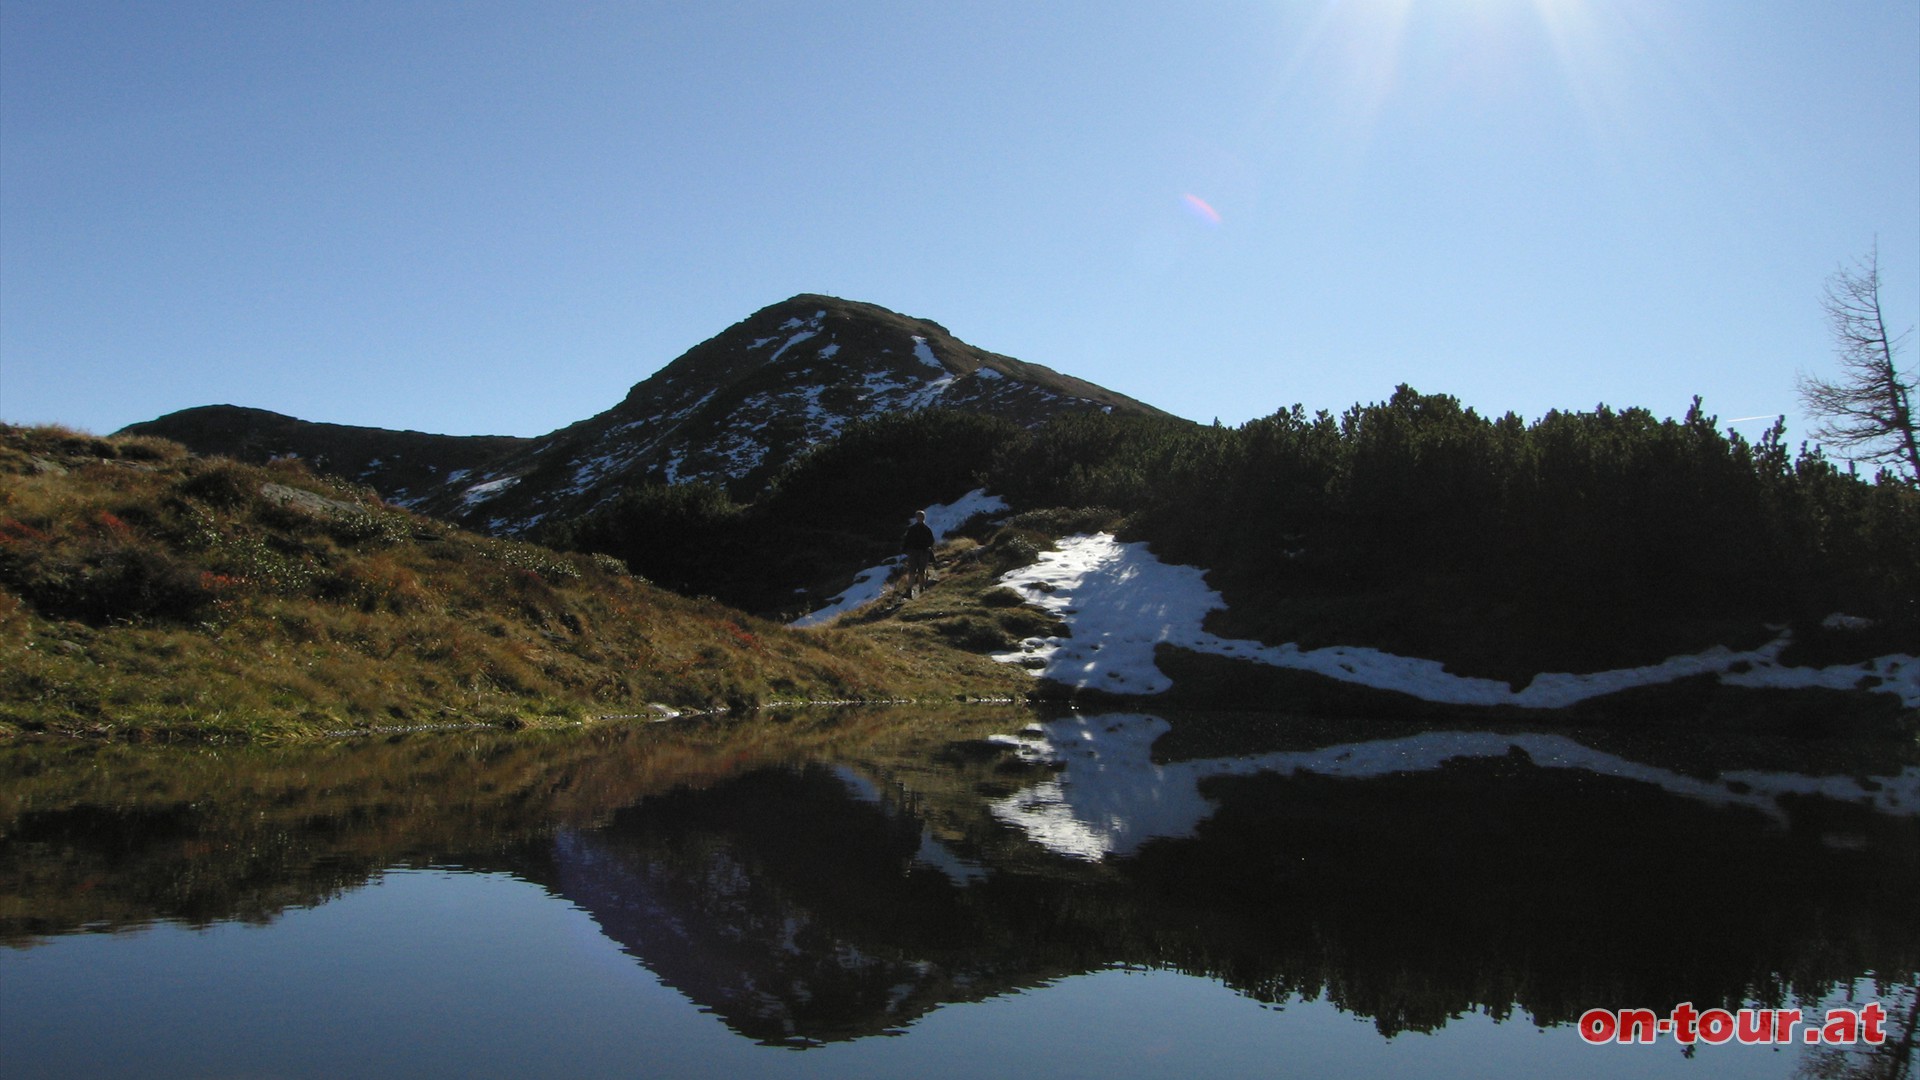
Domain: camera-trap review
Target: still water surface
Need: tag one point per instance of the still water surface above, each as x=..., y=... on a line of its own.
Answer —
x=965, y=894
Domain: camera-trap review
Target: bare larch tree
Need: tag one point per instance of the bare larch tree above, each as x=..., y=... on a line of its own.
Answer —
x=1866, y=413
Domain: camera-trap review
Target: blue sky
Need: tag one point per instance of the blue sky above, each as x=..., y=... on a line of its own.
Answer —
x=496, y=217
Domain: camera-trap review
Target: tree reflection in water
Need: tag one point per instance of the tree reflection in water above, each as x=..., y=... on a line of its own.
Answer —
x=823, y=878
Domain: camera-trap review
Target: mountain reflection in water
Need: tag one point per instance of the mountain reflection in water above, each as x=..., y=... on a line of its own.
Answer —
x=822, y=879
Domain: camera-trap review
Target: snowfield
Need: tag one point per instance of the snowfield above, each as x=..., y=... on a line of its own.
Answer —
x=1120, y=602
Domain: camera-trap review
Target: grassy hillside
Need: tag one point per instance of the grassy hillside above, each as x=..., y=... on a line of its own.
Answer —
x=142, y=589
x=145, y=590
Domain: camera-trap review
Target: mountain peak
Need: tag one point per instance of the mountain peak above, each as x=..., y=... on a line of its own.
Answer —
x=731, y=410
x=734, y=408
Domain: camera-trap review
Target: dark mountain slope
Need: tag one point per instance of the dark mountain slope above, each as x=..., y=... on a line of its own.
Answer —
x=731, y=410
x=735, y=408
x=404, y=466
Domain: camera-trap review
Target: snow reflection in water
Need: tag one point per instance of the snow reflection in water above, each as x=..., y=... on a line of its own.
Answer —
x=677, y=899
x=1111, y=796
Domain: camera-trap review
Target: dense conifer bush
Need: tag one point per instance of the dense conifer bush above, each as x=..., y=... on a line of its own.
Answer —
x=876, y=473
x=1415, y=523
x=842, y=502
x=1582, y=525
x=682, y=536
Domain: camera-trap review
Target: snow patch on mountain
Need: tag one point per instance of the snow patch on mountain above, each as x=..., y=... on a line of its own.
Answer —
x=805, y=335
x=1121, y=602
x=927, y=396
x=739, y=452
x=480, y=493
x=809, y=329
x=870, y=584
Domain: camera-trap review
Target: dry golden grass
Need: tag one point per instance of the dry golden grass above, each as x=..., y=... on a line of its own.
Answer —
x=147, y=592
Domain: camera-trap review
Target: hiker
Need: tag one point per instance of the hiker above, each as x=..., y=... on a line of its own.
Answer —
x=918, y=544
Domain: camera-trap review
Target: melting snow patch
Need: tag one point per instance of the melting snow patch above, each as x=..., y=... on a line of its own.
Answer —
x=946, y=517
x=929, y=395
x=866, y=588
x=878, y=386
x=1121, y=602
x=687, y=410
x=924, y=353
x=741, y=450
x=870, y=583
x=590, y=472
x=791, y=342
x=480, y=493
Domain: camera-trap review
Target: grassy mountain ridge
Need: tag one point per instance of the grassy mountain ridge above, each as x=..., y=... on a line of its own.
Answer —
x=146, y=589
x=403, y=466
x=732, y=411
x=770, y=464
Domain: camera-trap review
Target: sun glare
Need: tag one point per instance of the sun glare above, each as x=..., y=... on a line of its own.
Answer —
x=1353, y=60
